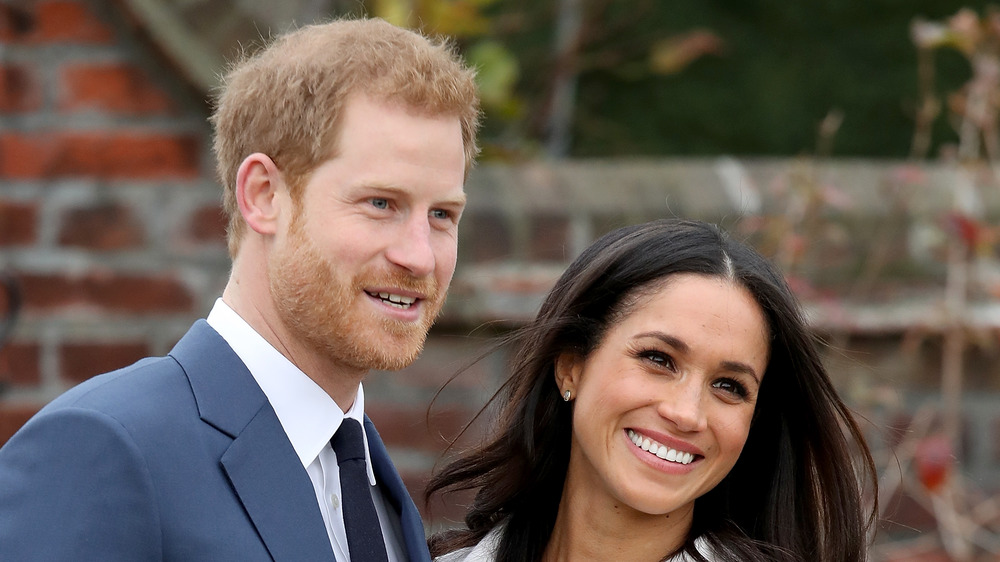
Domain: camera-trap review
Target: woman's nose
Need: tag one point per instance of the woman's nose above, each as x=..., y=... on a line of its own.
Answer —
x=684, y=405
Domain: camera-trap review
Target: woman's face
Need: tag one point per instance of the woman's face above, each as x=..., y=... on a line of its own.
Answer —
x=663, y=405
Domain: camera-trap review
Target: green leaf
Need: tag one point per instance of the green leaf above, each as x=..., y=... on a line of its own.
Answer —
x=498, y=72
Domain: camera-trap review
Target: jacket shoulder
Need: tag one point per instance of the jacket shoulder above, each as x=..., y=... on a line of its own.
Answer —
x=141, y=389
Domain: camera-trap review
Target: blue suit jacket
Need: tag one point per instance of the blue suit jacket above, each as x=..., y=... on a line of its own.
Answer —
x=173, y=458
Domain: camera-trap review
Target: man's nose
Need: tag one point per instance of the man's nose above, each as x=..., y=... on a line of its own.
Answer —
x=412, y=249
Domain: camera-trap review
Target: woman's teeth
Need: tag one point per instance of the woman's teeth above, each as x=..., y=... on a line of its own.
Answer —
x=662, y=451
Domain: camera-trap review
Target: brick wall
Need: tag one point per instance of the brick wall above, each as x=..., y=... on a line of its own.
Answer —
x=109, y=218
x=109, y=215
x=110, y=222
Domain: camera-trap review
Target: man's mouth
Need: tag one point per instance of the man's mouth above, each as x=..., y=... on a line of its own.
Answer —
x=661, y=451
x=392, y=299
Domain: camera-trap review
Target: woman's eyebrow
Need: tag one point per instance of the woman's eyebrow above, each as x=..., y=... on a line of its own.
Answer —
x=679, y=345
x=738, y=367
x=672, y=341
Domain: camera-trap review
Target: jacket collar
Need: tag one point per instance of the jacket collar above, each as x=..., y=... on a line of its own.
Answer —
x=260, y=462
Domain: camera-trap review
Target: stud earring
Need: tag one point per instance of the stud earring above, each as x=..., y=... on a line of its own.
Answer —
x=567, y=395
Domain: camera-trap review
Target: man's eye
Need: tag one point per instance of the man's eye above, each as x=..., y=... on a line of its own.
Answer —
x=380, y=203
x=440, y=214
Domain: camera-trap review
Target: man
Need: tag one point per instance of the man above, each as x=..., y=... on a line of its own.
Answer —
x=343, y=150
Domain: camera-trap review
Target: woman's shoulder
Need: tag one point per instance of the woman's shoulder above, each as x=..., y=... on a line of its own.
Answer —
x=484, y=551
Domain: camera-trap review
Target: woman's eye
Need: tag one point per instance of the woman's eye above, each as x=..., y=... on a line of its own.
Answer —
x=380, y=203
x=659, y=358
x=731, y=386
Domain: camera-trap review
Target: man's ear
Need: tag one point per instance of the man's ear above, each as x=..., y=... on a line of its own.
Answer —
x=258, y=184
x=569, y=367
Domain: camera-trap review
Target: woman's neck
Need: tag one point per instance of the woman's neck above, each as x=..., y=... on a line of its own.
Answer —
x=614, y=532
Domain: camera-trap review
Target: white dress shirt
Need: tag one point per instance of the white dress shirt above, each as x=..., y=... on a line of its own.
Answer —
x=309, y=417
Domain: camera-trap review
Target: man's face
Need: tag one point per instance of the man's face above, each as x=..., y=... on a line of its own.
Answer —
x=360, y=272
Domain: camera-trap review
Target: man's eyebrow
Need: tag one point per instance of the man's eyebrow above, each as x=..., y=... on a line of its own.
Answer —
x=460, y=199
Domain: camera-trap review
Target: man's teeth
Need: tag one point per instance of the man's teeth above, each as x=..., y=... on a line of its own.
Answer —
x=662, y=451
x=398, y=301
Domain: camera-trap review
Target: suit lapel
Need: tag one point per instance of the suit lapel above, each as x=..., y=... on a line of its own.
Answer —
x=276, y=491
x=390, y=482
x=260, y=462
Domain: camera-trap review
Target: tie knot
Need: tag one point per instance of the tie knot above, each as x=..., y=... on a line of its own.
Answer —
x=348, y=442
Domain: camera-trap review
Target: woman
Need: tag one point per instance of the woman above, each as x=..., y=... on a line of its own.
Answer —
x=667, y=403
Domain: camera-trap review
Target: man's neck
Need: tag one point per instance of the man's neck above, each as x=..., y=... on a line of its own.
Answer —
x=339, y=381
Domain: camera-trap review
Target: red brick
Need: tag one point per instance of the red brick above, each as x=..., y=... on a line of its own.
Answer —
x=208, y=224
x=116, y=88
x=105, y=155
x=18, y=223
x=102, y=227
x=443, y=509
x=20, y=90
x=415, y=483
x=12, y=417
x=485, y=237
x=443, y=356
x=15, y=22
x=410, y=427
x=904, y=512
x=19, y=364
x=65, y=21
x=6, y=304
x=80, y=361
x=549, y=238
x=115, y=292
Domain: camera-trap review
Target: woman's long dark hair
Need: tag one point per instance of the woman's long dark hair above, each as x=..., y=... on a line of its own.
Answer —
x=794, y=494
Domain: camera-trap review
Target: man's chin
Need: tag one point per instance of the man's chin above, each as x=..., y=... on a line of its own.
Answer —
x=381, y=361
x=398, y=354
x=390, y=350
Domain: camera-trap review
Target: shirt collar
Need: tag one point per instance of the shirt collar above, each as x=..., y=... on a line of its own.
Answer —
x=306, y=412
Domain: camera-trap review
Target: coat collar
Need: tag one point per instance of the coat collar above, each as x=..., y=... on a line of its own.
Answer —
x=260, y=455
x=260, y=462
x=227, y=396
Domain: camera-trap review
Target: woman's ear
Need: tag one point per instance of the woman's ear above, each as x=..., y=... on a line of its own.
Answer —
x=258, y=183
x=569, y=367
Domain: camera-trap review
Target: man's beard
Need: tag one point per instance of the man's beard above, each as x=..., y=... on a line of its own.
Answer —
x=322, y=308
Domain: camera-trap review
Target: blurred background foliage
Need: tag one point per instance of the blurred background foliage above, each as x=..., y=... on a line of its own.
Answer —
x=695, y=77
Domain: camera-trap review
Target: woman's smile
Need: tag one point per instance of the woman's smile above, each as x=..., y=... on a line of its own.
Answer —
x=660, y=450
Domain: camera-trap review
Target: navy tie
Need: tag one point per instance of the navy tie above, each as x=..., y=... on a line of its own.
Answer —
x=364, y=535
